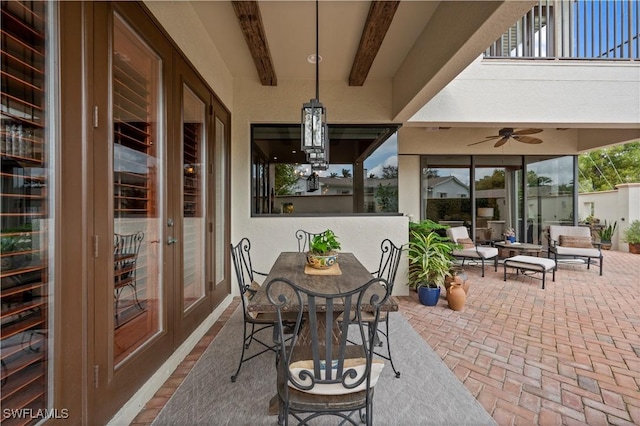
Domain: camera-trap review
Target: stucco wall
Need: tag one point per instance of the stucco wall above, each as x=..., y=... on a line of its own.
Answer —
x=591, y=93
x=182, y=24
x=621, y=205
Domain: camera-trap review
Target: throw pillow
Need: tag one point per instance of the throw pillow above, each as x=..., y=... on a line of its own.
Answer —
x=357, y=364
x=575, y=242
x=466, y=243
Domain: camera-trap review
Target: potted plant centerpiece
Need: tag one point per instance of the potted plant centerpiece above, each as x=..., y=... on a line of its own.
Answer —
x=323, y=250
x=606, y=234
x=631, y=235
x=430, y=262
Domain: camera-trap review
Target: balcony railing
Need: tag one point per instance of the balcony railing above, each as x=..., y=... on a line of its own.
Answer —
x=574, y=29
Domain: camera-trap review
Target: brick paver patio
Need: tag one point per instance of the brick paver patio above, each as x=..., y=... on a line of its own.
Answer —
x=566, y=355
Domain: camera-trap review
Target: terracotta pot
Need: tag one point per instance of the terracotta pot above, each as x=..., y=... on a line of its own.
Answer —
x=456, y=296
x=634, y=248
x=459, y=276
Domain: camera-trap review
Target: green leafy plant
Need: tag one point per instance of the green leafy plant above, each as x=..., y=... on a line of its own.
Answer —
x=324, y=243
x=631, y=235
x=430, y=259
x=606, y=233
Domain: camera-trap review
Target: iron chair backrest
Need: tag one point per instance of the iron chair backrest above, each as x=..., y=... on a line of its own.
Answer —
x=127, y=243
x=326, y=348
x=241, y=258
x=304, y=239
x=389, y=261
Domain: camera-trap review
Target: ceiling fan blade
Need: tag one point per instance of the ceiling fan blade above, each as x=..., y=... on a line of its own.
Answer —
x=527, y=131
x=501, y=142
x=489, y=138
x=527, y=139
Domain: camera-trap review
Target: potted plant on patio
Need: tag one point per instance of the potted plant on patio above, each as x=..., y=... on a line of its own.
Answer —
x=323, y=250
x=430, y=262
x=606, y=234
x=631, y=235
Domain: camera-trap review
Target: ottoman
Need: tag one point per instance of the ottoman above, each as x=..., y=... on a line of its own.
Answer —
x=530, y=264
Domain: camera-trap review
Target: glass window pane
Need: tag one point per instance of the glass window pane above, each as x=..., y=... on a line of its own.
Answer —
x=221, y=183
x=550, y=193
x=361, y=177
x=138, y=191
x=26, y=207
x=446, y=194
x=193, y=144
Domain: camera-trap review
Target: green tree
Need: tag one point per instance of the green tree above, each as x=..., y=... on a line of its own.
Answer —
x=387, y=198
x=346, y=173
x=602, y=169
x=495, y=180
x=285, y=179
x=389, y=172
x=333, y=174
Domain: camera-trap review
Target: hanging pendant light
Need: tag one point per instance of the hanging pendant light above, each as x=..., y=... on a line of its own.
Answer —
x=314, y=129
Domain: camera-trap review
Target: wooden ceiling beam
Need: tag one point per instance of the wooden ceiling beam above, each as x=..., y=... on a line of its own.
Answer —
x=250, y=19
x=375, y=29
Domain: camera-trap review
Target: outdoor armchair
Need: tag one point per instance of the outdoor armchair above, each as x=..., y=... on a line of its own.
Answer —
x=470, y=250
x=574, y=242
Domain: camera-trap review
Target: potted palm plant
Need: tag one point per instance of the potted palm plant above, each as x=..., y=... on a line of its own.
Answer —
x=430, y=262
x=606, y=234
x=631, y=235
x=323, y=250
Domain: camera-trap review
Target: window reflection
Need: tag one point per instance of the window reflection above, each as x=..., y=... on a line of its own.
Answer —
x=362, y=176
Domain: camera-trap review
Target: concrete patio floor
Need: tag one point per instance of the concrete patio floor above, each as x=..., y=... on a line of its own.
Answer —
x=566, y=355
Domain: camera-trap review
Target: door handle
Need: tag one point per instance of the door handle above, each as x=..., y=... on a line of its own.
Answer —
x=171, y=240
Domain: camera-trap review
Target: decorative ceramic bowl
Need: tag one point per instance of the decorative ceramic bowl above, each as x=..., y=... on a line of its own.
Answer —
x=322, y=261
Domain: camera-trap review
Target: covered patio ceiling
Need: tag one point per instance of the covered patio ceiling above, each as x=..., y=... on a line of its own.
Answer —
x=418, y=45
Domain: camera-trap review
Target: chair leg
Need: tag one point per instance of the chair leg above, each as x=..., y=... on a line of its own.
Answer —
x=244, y=345
x=389, y=350
x=482, y=266
x=601, y=262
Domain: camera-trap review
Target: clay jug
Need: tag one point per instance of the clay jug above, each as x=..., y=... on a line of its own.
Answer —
x=456, y=296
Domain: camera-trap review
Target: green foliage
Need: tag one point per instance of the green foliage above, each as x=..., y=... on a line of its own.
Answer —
x=631, y=235
x=426, y=226
x=430, y=259
x=324, y=243
x=389, y=172
x=496, y=180
x=602, y=169
x=387, y=197
x=285, y=179
x=15, y=243
x=606, y=233
x=346, y=173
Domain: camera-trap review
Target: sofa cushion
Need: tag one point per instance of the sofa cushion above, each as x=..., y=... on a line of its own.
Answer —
x=575, y=241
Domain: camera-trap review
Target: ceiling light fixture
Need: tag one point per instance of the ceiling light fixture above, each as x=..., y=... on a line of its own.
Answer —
x=314, y=129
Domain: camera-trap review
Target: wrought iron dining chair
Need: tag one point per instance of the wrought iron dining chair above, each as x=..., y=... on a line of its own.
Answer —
x=126, y=248
x=253, y=323
x=319, y=374
x=304, y=239
x=387, y=269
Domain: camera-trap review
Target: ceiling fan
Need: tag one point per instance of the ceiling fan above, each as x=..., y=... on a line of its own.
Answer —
x=509, y=133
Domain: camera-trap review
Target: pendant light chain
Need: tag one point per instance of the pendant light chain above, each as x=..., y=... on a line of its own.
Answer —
x=317, y=55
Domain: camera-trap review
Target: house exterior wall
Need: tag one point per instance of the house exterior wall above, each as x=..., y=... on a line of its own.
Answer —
x=258, y=104
x=536, y=93
x=185, y=28
x=621, y=205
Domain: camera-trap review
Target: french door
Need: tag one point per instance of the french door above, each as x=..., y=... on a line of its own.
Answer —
x=156, y=233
